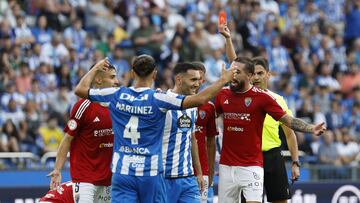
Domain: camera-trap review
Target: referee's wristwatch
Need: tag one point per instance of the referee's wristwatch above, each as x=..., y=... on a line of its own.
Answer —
x=297, y=163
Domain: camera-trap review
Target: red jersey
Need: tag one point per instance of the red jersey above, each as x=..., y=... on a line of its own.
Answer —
x=91, y=148
x=205, y=127
x=244, y=115
x=63, y=194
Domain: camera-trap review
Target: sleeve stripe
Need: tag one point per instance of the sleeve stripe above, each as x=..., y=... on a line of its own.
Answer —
x=82, y=108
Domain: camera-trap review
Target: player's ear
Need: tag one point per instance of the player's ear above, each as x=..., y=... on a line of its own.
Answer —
x=154, y=74
x=132, y=74
x=178, y=79
x=97, y=79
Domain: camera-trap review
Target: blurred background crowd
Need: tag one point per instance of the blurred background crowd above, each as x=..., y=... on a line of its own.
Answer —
x=313, y=47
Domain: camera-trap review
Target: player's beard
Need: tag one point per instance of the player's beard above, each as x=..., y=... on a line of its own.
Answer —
x=238, y=86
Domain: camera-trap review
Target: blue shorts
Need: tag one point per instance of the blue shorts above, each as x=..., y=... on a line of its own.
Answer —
x=137, y=189
x=182, y=190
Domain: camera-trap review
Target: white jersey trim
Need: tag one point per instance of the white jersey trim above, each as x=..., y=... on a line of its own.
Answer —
x=82, y=108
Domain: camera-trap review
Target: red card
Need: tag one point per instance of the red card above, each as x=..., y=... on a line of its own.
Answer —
x=222, y=18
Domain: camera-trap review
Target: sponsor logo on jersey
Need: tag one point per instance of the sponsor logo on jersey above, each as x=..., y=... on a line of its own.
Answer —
x=72, y=124
x=248, y=101
x=199, y=128
x=103, y=132
x=184, y=123
x=237, y=116
x=202, y=114
x=96, y=119
x=235, y=129
x=226, y=102
x=106, y=145
x=134, y=161
x=129, y=97
x=135, y=150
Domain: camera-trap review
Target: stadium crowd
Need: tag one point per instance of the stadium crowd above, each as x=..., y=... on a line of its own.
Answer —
x=313, y=47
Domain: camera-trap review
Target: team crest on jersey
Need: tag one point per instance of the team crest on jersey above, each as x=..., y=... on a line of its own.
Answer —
x=184, y=123
x=248, y=101
x=72, y=124
x=202, y=114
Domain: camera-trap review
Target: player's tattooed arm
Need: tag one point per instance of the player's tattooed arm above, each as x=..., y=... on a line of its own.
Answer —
x=302, y=126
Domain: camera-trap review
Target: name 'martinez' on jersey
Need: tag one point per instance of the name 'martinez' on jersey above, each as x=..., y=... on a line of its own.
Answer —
x=138, y=117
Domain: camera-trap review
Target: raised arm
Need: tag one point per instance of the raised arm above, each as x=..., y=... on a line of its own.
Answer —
x=230, y=51
x=302, y=126
x=82, y=89
x=211, y=91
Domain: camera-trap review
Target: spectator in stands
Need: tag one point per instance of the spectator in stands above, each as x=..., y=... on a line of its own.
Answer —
x=199, y=38
x=64, y=77
x=350, y=79
x=334, y=118
x=61, y=102
x=99, y=17
x=326, y=79
x=12, y=94
x=9, y=137
x=55, y=52
x=38, y=96
x=348, y=149
x=51, y=135
x=23, y=35
x=23, y=79
x=328, y=152
x=75, y=34
x=121, y=65
x=352, y=21
x=41, y=31
x=33, y=118
x=147, y=40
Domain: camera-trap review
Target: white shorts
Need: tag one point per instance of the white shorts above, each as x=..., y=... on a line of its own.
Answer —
x=204, y=194
x=236, y=179
x=89, y=193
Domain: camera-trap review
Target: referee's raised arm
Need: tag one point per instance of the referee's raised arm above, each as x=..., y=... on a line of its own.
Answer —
x=82, y=88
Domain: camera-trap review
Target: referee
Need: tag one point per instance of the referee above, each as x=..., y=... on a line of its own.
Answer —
x=275, y=177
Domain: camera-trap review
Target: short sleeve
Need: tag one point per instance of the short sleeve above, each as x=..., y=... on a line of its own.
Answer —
x=102, y=95
x=166, y=101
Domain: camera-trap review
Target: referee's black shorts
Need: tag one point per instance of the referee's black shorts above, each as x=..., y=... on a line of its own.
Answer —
x=276, y=183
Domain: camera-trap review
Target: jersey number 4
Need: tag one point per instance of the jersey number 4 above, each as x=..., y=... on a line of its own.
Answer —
x=131, y=130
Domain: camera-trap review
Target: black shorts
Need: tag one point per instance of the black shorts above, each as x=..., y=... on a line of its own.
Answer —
x=276, y=183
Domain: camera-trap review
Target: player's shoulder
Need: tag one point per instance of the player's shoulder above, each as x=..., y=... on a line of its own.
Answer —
x=224, y=91
x=209, y=105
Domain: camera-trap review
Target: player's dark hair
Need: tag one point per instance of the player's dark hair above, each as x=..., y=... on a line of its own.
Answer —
x=199, y=65
x=110, y=66
x=262, y=61
x=143, y=65
x=249, y=65
x=184, y=67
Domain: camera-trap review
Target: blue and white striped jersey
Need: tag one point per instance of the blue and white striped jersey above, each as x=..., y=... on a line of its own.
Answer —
x=176, y=148
x=138, y=117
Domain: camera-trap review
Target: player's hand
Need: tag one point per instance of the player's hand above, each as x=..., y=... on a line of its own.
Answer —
x=201, y=182
x=319, y=129
x=102, y=65
x=55, y=179
x=224, y=31
x=227, y=75
x=295, y=172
